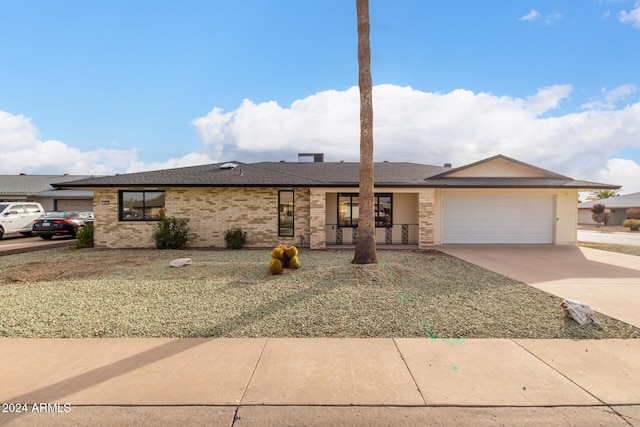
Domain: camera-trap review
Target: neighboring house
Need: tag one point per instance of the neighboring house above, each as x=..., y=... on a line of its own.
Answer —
x=37, y=188
x=496, y=200
x=617, y=207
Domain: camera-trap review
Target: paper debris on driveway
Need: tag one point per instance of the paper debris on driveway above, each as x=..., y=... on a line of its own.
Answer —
x=580, y=312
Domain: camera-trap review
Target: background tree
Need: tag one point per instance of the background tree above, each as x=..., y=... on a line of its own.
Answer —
x=366, y=242
x=603, y=194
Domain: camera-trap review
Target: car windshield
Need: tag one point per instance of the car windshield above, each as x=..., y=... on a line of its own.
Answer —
x=3, y=207
x=59, y=214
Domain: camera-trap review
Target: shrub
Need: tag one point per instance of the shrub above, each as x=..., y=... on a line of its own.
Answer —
x=633, y=224
x=235, y=238
x=171, y=233
x=287, y=257
x=277, y=253
x=294, y=263
x=291, y=252
x=85, y=236
x=275, y=266
x=633, y=213
x=598, y=208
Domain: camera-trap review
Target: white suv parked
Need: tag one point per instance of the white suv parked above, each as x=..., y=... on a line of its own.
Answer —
x=18, y=217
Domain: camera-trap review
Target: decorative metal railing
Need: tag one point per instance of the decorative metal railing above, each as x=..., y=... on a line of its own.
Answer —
x=397, y=234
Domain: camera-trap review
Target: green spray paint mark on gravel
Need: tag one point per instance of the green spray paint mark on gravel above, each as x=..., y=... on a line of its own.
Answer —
x=402, y=296
x=428, y=331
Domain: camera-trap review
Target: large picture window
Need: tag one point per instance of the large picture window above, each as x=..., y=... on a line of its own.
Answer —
x=285, y=213
x=141, y=205
x=349, y=208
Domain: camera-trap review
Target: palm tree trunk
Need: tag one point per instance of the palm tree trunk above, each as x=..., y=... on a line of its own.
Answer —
x=366, y=242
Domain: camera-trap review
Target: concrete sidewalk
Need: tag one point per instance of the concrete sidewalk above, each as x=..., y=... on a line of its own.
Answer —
x=608, y=281
x=281, y=381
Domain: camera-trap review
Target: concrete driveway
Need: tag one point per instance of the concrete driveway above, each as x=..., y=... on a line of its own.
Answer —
x=18, y=244
x=609, y=282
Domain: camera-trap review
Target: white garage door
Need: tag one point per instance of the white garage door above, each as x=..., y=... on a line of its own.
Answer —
x=497, y=218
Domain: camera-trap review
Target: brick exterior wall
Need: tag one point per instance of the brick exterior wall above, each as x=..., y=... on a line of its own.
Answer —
x=317, y=214
x=426, y=206
x=211, y=211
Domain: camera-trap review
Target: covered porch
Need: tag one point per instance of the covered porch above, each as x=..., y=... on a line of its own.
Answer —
x=404, y=217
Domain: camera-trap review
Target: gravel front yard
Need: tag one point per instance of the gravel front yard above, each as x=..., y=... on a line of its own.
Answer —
x=134, y=293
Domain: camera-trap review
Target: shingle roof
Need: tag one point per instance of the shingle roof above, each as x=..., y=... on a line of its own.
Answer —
x=31, y=185
x=625, y=201
x=271, y=174
x=516, y=183
x=319, y=174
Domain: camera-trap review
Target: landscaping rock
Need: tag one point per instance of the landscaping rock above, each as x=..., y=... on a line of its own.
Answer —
x=580, y=312
x=180, y=262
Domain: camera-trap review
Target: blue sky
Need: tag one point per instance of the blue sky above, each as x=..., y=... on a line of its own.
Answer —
x=118, y=86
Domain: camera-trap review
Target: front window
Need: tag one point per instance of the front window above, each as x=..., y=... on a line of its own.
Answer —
x=349, y=208
x=383, y=210
x=141, y=205
x=285, y=213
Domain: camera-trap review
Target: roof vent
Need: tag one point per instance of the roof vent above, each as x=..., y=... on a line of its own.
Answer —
x=447, y=165
x=228, y=166
x=306, y=157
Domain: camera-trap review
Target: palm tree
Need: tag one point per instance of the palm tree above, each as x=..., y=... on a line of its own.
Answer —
x=603, y=194
x=366, y=242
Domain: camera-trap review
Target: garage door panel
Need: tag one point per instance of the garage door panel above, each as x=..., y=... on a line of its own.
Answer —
x=497, y=218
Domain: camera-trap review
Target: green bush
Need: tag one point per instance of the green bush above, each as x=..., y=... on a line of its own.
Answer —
x=171, y=233
x=633, y=224
x=235, y=238
x=85, y=236
x=633, y=213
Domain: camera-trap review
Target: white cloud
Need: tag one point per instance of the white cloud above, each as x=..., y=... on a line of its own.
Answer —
x=548, y=98
x=434, y=128
x=534, y=15
x=191, y=159
x=609, y=98
x=553, y=18
x=632, y=17
x=622, y=171
x=24, y=152
x=531, y=16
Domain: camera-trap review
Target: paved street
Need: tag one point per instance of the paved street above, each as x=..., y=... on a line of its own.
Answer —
x=618, y=238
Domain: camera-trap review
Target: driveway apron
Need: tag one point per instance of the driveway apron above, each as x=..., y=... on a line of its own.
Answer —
x=609, y=282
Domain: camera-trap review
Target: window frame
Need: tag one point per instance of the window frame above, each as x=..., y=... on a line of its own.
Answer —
x=144, y=218
x=356, y=196
x=281, y=225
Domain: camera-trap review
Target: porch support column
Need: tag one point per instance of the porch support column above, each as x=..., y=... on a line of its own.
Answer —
x=317, y=219
x=426, y=215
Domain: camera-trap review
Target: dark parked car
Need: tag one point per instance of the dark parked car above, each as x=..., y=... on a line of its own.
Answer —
x=61, y=224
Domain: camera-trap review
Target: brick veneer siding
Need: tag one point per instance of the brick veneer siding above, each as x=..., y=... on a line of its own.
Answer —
x=211, y=211
x=426, y=206
x=317, y=216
